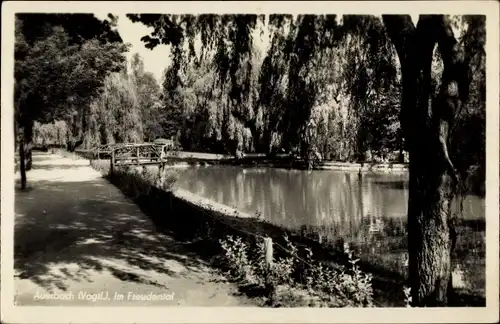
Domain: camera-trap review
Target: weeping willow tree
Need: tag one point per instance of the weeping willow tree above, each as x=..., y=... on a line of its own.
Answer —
x=379, y=67
x=56, y=133
x=126, y=110
x=115, y=116
x=148, y=94
x=257, y=96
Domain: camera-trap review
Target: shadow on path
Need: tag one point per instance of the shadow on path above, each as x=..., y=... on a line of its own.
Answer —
x=73, y=228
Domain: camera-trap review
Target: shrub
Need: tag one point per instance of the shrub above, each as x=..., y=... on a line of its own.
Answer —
x=297, y=282
x=161, y=178
x=407, y=292
x=100, y=165
x=142, y=179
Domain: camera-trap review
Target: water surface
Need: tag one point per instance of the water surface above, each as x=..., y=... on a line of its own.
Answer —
x=369, y=212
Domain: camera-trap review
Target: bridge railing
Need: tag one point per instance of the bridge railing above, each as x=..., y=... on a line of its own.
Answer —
x=136, y=154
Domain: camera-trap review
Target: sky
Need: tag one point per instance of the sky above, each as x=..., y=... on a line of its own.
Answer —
x=156, y=60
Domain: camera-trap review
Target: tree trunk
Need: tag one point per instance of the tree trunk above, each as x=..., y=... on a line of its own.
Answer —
x=431, y=232
x=27, y=130
x=16, y=134
x=22, y=161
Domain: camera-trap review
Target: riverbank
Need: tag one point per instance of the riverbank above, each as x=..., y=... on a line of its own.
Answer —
x=204, y=222
x=279, y=161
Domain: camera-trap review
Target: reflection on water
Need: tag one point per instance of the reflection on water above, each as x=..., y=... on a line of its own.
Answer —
x=369, y=212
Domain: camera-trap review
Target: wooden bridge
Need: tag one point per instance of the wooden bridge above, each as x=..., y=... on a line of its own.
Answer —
x=129, y=153
x=147, y=154
x=137, y=154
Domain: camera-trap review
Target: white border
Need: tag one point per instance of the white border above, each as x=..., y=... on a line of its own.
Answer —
x=12, y=314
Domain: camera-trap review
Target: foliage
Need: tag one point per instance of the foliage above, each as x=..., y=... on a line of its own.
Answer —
x=249, y=93
x=56, y=133
x=59, y=68
x=148, y=99
x=100, y=165
x=407, y=292
x=250, y=100
x=126, y=110
x=120, y=105
x=61, y=61
x=468, y=143
x=258, y=106
x=79, y=27
x=297, y=282
x=146, y=178
x=244, y=89
x=467, y=147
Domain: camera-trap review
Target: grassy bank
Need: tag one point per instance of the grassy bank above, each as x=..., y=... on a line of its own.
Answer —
x=232, y=242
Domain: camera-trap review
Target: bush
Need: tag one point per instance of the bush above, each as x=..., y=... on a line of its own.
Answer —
x=296, y=282
x=100, y=165
x=161, y=178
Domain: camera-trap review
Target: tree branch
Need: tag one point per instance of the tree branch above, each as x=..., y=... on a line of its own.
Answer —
x=249, y=123
x=455, y=61
x=400, y=29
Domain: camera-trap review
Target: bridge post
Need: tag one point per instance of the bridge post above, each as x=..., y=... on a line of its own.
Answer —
x=112, y=165
x=268, y=255
x=137, y=152
x=268, y=251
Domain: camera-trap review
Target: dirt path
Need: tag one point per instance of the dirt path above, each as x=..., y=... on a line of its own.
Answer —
x=76, y=236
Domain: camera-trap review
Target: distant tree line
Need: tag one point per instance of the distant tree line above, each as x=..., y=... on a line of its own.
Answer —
x=351, y=80
x=312, y=85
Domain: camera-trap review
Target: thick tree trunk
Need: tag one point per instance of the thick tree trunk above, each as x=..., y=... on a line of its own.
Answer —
x=431, y=233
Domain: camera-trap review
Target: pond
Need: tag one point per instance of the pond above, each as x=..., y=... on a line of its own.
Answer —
x=368, y=212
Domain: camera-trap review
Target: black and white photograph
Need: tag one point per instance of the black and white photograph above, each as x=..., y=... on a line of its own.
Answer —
x=213, y=158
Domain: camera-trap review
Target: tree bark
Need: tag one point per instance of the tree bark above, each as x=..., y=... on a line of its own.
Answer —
x=22, y=162
x=24, y=138
x=27, y=136
x=28, y=143
x=22, y=165
x=433, y=179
